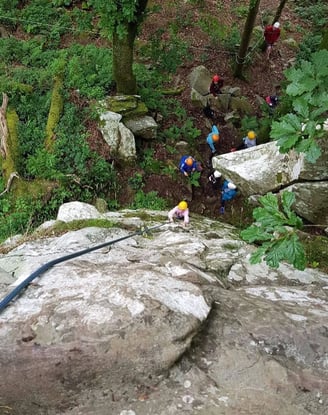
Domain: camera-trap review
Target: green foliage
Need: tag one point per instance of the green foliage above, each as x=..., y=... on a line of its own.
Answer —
x=233, y=38
x=42, y=165
x=89, y=70
x=148, y=200
x=136, y=181
x=310, y=44
x=166, y=55
x=307, y=90
x=275, y=229
x=249, y=123
x=194, y=178
x=314, y=12
x=115, y=15
x=210, y=25
x=149, y=163
x=241, y=11
x=40, y=17
x=187, y=132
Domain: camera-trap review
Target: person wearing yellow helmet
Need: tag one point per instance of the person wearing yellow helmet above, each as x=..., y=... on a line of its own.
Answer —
x=213, y=139
x=248, y=141
x=180, y=212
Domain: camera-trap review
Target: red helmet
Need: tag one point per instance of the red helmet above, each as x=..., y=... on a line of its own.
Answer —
x=216, y=78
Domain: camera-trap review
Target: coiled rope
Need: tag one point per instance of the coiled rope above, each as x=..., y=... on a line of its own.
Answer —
x=144, y=231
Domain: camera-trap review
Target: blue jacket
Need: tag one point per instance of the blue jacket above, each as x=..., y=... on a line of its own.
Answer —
x=227, y=194
x=184, y=168
x=209, y=138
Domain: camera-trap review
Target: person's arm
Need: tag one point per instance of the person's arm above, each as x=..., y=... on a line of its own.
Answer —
x=186, y=217
x=215, y=130
x=171, y=213
x=182, y=169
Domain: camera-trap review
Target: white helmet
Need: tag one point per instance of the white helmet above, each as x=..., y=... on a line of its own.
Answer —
x=217, y=174
x=231, y=186
x=276, y=25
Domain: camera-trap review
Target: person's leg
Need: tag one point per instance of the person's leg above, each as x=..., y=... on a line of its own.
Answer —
x=221, y=210
x=268, y=51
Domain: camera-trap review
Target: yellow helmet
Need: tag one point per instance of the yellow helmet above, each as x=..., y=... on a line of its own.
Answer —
x=251, y=135
x=183, y=205
x=215, y=137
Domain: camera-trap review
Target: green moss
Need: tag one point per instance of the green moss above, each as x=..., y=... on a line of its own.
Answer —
x=55, y=111
x=241, y=105
x=128, y=106
x=316, y=251
x=144, y=216
x=80, y=224
x=279, y=177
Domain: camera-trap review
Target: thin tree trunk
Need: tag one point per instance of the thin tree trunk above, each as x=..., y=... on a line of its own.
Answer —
x=248, y=29
x=275, y=19
x=279, y=11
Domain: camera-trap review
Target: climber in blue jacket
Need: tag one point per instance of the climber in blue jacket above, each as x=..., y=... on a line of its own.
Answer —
x=213, y=138
x=228, y=192
x=188, y=165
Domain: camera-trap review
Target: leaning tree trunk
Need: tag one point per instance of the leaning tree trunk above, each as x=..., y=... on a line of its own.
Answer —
x=123, y=60
x=279, y=11
x=248, y=29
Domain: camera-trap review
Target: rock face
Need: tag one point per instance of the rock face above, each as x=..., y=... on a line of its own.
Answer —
x=263, y=169
x=172, y=322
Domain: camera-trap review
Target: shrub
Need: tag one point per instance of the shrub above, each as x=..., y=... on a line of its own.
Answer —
x=148, y=200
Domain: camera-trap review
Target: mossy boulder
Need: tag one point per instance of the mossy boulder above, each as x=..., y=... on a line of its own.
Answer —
x=129, y=106
x=241, y=105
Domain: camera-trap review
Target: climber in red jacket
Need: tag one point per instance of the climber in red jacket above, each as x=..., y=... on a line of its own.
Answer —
x=271, y=35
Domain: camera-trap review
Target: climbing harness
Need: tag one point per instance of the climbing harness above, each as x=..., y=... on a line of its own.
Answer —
x=143, y=231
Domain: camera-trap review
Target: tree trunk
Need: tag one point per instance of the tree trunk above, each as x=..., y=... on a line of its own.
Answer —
x=123, y=60
x=248, y=29
x=123, y=48
x=279, y=11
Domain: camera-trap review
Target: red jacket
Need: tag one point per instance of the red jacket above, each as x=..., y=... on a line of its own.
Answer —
x=215, y=88
x=271, y=34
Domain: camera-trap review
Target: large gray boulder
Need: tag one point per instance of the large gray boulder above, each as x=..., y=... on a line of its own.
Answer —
x=120, y=330
x=311, y=201
x=262, y=169
x=119, y=138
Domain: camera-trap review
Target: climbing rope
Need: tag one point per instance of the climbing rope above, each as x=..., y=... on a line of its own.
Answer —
x=143, y=231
